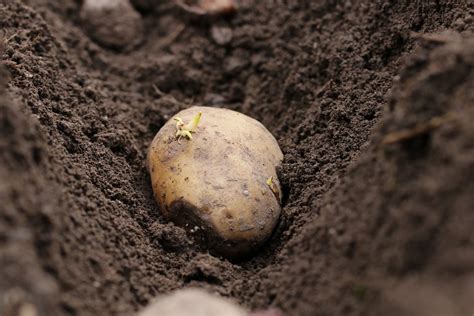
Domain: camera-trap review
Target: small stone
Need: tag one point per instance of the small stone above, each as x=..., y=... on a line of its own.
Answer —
x=222, y=35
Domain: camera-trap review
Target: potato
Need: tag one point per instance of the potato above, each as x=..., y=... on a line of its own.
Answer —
x=218, y=6
x=113, y=24
x=192, y=301
x=221, y=185
x=198, y=302
x=208, y=7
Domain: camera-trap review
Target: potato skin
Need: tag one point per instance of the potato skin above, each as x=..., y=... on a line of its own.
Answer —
x=216, y=182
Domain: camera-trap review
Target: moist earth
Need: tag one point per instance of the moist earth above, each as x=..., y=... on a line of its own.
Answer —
x=371, y=102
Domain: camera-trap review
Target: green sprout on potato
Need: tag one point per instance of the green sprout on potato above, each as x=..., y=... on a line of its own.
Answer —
x=272, y=186
x=186, y=130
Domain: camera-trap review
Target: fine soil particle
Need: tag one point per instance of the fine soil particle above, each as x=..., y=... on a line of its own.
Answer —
x=371, y=102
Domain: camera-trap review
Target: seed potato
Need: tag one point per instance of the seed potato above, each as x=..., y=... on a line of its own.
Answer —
x=113, y=24
x=217, y=178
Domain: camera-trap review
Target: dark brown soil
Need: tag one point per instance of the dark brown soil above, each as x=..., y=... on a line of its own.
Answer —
x=374, y=117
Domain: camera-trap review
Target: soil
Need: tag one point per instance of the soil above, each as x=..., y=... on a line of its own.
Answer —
x=371, y=102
